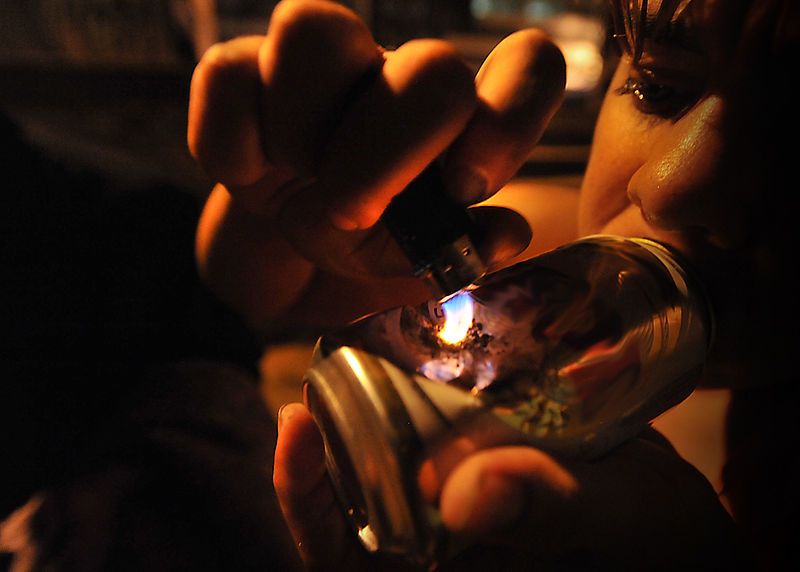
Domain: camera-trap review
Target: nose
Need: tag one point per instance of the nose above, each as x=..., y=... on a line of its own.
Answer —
x=694, y=177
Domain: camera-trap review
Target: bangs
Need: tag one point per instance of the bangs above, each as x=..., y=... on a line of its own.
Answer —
x=634, y=21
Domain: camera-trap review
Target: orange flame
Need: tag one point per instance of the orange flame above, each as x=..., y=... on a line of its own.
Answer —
x=459, y=314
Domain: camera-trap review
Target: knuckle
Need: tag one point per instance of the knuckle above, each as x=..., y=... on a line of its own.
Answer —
x=544, y=59
x=310, y=20
x=225, y=59
x=221, y=134
x=315, y=42
x=217, y=57
x=439, y=59
x=208, y=72
x=437, y=63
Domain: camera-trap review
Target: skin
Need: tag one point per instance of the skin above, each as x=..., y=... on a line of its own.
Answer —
x=296, y=198
x=688, y=170
x=312, y=129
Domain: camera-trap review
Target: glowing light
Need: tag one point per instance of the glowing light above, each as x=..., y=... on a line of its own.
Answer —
x=355, y=365
x=458, y=313
x=442, y=369
x=584, y=64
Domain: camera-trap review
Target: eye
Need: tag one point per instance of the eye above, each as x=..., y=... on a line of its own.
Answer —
x=646, y=92
x=655, y=98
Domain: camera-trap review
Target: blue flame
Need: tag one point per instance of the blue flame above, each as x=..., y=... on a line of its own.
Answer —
x=458, y=314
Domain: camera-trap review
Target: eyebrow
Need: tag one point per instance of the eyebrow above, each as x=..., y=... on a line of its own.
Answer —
x=633, y=23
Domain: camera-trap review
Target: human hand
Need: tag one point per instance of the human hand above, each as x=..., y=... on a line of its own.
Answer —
x=323, y=537
x=640, y=506
x=313, y=128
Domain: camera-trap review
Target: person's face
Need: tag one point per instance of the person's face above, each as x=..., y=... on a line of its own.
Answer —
x=688, y=151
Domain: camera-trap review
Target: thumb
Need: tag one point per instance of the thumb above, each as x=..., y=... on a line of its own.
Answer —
x=497, y=491
x=306, y=497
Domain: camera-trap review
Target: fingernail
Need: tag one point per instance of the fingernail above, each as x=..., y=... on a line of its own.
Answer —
x=342, y=221
x=283, y=415
x=357, y=216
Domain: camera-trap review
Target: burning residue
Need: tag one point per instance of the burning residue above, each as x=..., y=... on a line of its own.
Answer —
x=557, y=346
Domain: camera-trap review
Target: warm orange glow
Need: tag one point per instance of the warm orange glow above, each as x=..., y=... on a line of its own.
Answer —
x=458, y=313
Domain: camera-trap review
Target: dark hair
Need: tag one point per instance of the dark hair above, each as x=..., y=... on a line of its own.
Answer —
x=632, y=21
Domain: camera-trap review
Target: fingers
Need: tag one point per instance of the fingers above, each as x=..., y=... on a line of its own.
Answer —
x=260, y=107
x=312, y=60
x=316, y=127
x=317, y=99
x=639, y=505
x=520, y=87
x=504, y=234
x=305, y=495
x=419, y=104
x=222, y=134
x=495, y=490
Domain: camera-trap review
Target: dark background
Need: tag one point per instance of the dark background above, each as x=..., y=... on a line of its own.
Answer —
x=128, y=393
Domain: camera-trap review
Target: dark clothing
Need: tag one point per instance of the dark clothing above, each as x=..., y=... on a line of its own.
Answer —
x=128, y=396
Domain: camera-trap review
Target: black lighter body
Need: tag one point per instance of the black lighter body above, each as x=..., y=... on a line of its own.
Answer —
x=436, y=233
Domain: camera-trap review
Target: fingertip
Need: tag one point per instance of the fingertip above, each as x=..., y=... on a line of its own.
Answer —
x=520, y=87
x=221, y=134
x=358, y=212
x=481, y=503
x=344, y=220
x=305, y=495
x=299, y=451
x=296, y=426
x=536, y=52
x=287, y=412
x=504, y=234
x=505, y=490
x=468, y=184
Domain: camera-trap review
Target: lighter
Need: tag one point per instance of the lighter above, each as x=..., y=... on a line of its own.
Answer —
x=436, y=233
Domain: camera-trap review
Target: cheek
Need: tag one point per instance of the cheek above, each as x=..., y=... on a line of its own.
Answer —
x=604, y=189
x=617, y=151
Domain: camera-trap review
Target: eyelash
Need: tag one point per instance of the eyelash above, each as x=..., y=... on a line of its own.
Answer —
x=653, y=98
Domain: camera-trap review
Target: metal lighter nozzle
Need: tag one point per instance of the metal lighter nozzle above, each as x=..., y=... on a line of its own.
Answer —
x=436, y=233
